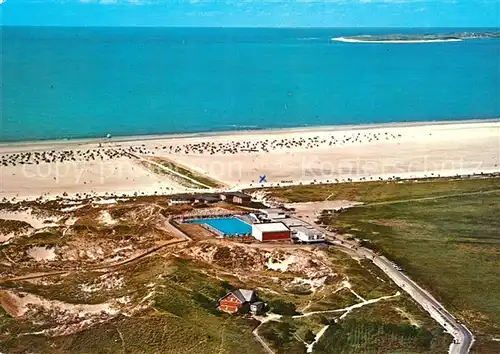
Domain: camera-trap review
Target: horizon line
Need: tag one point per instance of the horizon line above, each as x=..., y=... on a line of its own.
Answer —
x=240, y=27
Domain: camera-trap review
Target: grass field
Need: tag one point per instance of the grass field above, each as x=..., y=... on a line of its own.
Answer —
x=370, y=336
x=450, y=245
x=371, y=192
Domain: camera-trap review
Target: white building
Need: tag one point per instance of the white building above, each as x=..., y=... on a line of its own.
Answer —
x=305, y=234
x=271, y=231
x=274, y=214
x=179, y=201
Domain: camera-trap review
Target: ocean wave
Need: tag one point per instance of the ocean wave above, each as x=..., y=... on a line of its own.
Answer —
x=353, y=40
x=238, y=126
x=308, y=39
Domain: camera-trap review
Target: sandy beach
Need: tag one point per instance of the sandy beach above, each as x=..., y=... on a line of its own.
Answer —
x=239, y=159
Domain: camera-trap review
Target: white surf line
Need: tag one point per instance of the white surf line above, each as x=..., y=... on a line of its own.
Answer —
x=437, y=40
x=350, y=308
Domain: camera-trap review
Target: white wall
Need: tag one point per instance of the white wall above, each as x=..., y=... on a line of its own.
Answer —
x=256, y=233
x=305, y=238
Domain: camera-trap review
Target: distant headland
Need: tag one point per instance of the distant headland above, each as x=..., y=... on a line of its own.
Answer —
x=416, y=38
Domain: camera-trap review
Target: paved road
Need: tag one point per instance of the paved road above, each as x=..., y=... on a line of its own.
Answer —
x=463, y=338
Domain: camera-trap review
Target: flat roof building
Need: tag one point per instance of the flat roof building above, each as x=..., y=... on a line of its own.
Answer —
x=181, y=199
x=236, y=197
x=293, y=222
x=273, y=213
x=307, y=234
x=271, y=231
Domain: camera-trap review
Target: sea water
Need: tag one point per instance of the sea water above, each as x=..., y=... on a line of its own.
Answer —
x=62, y=83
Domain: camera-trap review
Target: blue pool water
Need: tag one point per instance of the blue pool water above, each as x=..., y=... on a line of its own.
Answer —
x=229, y=226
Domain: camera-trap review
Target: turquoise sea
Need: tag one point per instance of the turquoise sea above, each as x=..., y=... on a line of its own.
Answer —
x=83, y=82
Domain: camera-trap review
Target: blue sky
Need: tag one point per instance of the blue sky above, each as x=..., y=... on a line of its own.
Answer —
x=253, y=13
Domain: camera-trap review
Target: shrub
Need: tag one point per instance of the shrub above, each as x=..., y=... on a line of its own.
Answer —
x=284, y=308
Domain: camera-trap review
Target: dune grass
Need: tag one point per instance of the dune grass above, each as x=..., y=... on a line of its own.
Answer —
x=442, y=232
x=380, y=191
x=450, y=246
x=205, y=180
x=370, y=336
x=183, y=317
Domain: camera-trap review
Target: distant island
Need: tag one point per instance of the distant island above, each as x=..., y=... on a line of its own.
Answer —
x=418, y=38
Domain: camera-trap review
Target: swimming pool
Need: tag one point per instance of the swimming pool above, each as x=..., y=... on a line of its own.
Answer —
x=228, y=226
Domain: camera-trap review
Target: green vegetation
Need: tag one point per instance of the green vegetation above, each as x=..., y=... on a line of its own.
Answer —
x=369, y=336
x=161, y=171
x=444, y=234
x=451, y=246
x=281, y=337
x=183, y=318
x=424, y=37
x=207, y=181
x=371, y=192
x=394, y=319
x=284, y=308
x=367, y=279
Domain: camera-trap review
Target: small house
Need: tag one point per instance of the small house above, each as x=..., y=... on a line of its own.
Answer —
x=241, y=198
x=308, y=235
x=237, y=301
x=274, y=214
x=209, y=200
x=181, y=199
x=236, y=197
